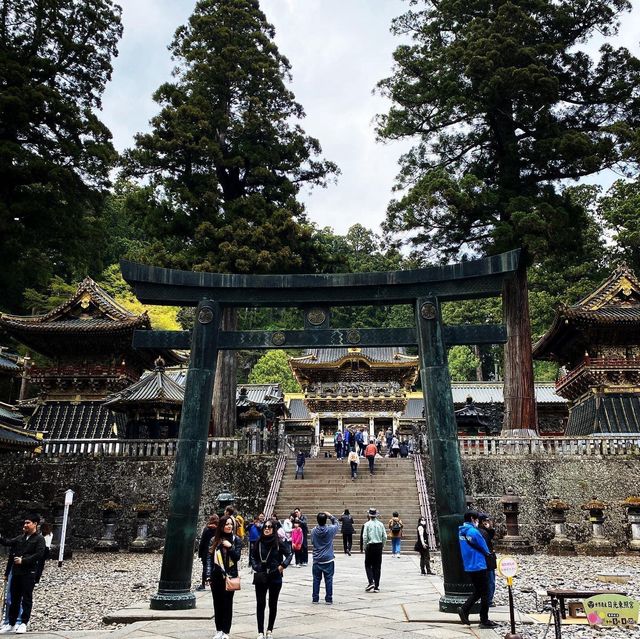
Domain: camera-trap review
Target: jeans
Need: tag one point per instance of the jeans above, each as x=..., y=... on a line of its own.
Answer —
x=492, y=585
x=318, y=571
x=371, y=460
x=395, y=545
x=21, y=597
x=480, y=582
x=347, y=542
x=300, y=471
x=373, y=563
x=354, y=469
x=338, y=446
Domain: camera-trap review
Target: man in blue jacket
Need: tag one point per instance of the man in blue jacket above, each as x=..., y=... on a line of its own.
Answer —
x=323, y=558
x=474, y=552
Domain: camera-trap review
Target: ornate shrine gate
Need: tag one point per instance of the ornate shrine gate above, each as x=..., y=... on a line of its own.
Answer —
x=425, y=289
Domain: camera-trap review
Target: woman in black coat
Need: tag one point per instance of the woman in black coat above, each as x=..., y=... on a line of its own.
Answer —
x=347, y=531
x=223, y=561
x=269, y=558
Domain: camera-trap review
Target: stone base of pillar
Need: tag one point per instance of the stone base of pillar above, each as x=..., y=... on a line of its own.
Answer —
x=634, y=545
x=514, y=544
x=143, y=545
x=106, y=545
x=173, y=601
x=561, y=548
x=599, y=548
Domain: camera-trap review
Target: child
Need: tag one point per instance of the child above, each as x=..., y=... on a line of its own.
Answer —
x=296, y=541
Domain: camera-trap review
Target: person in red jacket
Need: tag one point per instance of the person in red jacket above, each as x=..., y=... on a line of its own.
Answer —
x=370, y=453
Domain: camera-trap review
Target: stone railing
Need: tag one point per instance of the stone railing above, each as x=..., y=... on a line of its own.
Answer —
x=592, y=446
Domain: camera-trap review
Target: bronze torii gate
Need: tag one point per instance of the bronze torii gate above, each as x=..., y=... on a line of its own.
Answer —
x=425, y=289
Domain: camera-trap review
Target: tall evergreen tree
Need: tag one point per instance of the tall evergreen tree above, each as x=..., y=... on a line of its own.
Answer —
x=226, y=159
x=55, y=154
x=505, y=104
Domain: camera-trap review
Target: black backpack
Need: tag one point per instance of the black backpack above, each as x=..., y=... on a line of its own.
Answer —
x=396, y=527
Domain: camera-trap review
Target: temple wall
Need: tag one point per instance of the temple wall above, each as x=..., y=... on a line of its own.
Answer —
x=537, y=480
x=39, y=484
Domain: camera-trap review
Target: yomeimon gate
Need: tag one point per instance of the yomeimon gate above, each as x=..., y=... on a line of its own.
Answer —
x=425, y=289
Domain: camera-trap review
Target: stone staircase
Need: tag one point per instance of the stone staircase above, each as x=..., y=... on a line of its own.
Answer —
x=327, y=485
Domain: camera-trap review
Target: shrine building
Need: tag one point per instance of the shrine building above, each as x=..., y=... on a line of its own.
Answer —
x=597, y=342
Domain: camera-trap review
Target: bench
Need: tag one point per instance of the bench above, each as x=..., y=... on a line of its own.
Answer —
x=561, y=594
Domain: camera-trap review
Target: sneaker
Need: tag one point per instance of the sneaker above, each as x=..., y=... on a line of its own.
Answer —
x=200, y=587
x=218, y=635
x=260, y=635
x=21, y=629
x=329, y=602
x=315, y=601
x=464, y=617
x=487, y=624
x=369, y=588
x=376, y=590
x=269, y=634
x=7, y=628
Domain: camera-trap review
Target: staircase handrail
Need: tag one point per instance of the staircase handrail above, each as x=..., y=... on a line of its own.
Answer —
x=423, y=498
x=272, y=497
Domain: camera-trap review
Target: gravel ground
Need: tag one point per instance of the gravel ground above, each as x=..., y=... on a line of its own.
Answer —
x=76, y=596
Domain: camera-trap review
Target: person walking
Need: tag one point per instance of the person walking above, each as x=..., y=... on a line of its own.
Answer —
x=353, y=460
x=389, y=440
x=373, y=539
x=322, y=537
x=347, y=531
x=474, y=552
x=395, y=447
x=422, y=547
x=269, y=559
x=300, y=459
x=337, y=443
x=396, y=528
x=27, y=549
x=305, y=535
x=224, y=555
x=370, y=453
x=359, y=438
x=208, y=532
x=487, y=530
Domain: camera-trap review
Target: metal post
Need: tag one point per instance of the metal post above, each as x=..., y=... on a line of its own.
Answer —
x=174, y=591
x=443, y=448
x=68, y=500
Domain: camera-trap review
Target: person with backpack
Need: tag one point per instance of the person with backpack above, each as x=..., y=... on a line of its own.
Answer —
x=337, y=442
x=353, y=460
x=360, y=442
x=395, y=527
x=422, y=547
x=370, y=453
x=347, y=531
x=300, y=459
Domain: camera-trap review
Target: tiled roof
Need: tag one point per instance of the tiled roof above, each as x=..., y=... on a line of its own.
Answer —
x=330, y=355
x=298, y=410
x=86, y=420
x=15, y=439
x=156, y=387
x=8, y=366
x=10, y=416
x=607, y=414
x=259, y=394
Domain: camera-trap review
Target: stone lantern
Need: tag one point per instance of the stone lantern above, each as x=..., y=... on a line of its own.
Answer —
x=225, y=498
x=632, y=504
x=142, y=543
x=598, y=545
x=108, y=543
x=560, y=545
x=513, y=542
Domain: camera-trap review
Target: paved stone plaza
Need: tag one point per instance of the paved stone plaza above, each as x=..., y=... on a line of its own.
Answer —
x=407, y=606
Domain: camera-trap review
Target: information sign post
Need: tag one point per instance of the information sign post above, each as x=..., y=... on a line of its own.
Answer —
x=68, y=500
x=508, y=568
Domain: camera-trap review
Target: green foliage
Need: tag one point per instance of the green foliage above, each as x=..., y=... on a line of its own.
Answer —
x=55, y=57
x=226, y=157
x=463, y=364
x=505, y=104
x=273, y=368
x=57, y=292
x=545, y=371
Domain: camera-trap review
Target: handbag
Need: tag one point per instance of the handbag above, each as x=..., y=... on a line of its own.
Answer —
x=231, y=583
x=260, y=578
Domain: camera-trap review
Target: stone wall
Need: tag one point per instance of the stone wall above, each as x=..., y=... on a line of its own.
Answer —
x=39, y=485
x=538, y=479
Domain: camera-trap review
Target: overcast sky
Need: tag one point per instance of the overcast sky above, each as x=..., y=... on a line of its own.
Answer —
x=338, y=49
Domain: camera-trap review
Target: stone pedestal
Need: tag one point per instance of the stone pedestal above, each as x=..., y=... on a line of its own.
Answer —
x=142, y=542
x=108, y=543
x=512, y=542
x=560, y=545
x=599, y=545
x=632, y=504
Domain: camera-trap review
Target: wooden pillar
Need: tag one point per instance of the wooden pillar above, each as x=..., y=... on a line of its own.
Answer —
x=443, y=443
x=174, y=590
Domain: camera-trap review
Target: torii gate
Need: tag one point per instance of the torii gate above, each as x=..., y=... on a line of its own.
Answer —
x=424, y=288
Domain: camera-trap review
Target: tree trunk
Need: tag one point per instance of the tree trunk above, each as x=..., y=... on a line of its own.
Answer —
x=224, y=389
x=478, y=354
x=519, y=391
